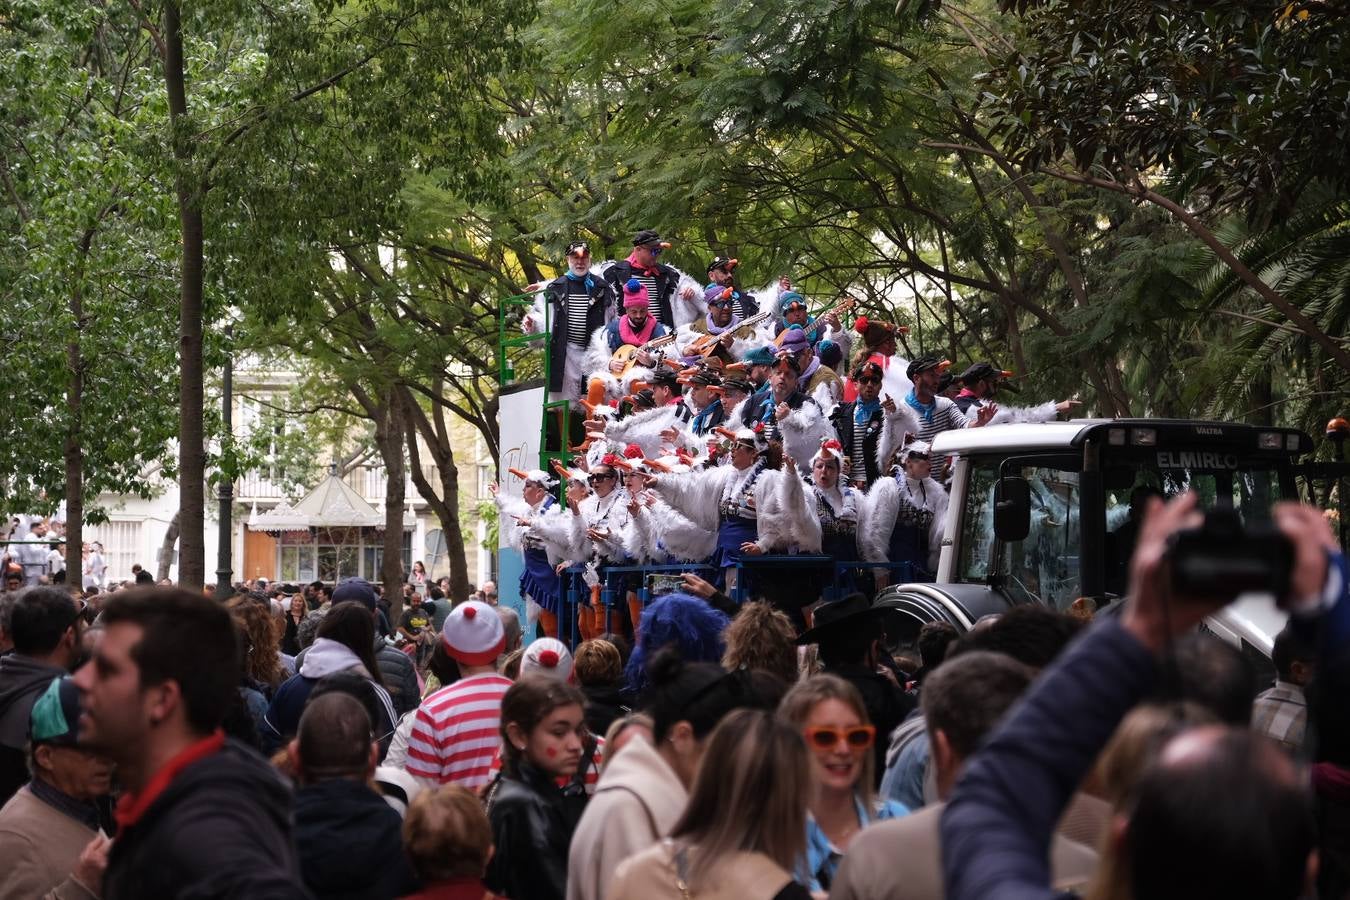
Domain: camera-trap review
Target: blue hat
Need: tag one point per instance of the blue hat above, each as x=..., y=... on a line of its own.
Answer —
x=761, y=356
x=788, y=298
x=56, y=714
x=794, y=339
x=355, y=589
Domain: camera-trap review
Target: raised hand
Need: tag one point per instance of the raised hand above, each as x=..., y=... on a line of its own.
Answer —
x=985, y=414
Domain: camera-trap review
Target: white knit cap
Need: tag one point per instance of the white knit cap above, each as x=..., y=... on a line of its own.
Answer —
x=547, y=656
x=473, y=634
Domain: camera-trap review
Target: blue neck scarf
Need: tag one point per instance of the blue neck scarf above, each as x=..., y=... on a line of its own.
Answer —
x=590, y=282
x=925, y=410
x=865, y=410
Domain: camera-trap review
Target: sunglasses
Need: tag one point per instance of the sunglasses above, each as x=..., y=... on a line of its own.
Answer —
x=825, y=737
x=719, y=304
x=869, y=379
x=599, y=477
x=656, y=249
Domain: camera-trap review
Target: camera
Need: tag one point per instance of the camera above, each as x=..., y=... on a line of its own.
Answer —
x=1223, y=558
x=659, y=585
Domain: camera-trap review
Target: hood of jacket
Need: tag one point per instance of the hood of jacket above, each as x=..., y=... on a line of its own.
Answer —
x=639, y=769
x=21, y=677
x=328, y=657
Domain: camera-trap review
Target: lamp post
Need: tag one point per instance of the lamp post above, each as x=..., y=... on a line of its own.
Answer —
x=225, y=490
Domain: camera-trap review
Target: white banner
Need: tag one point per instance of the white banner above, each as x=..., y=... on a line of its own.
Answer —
x=519, y=418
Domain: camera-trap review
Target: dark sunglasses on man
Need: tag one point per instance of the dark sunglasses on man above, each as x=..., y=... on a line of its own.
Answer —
x=599, y=476
x=870, y=379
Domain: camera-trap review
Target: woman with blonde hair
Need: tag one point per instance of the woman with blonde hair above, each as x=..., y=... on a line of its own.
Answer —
x=829, y=714
x=744, y=827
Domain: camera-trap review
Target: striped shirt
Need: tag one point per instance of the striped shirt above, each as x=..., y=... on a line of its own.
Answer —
x=456, y=732
x=946, y=416
x=578, y=303
x=653, y=301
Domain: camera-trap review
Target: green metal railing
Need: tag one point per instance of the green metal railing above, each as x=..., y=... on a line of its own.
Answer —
x=506, y=374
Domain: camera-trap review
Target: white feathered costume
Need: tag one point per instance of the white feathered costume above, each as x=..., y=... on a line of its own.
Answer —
x=784, y=519
x=884, y=502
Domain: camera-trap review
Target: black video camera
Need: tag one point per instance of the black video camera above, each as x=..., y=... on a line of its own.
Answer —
x=1223, y=558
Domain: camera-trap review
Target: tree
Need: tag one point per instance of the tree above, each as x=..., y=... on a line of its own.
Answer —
x=88, y=363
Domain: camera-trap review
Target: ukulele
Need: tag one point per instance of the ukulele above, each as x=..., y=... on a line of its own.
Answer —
x=843, y=307
x=627, y=354
x=706, y=344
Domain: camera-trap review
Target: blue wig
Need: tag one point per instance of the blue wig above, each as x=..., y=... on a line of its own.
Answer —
x=686, y=621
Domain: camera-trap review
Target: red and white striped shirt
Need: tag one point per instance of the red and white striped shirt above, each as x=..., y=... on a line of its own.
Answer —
x=457, y=732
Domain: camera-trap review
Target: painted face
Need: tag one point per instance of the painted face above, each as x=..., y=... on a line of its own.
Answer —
x=555, y=744
x=825, y=472
x=116, y=712
x=834, y=732
x=579, y=263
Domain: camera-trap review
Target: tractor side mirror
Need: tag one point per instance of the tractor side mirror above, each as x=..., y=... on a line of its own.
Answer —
x=1012, y=508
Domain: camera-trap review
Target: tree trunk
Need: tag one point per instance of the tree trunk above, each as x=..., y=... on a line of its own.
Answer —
x=167, y=545
x=73, y=452
x=389, y=438
x=191, y=437
x=446, y=503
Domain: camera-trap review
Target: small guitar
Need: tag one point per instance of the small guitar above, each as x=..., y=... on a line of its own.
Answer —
x=627, y=354
x=843, y=308
x=706, y=344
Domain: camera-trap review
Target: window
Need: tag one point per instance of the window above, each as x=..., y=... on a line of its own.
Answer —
x=1044, y=567
x=121, y=548
x=338, y=562
x=297, y=564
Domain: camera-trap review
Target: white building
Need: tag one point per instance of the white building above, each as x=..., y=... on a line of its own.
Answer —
x=136, y=527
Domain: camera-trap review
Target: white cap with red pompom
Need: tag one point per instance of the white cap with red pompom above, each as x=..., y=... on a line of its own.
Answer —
x=473, y=634
x=547, y=656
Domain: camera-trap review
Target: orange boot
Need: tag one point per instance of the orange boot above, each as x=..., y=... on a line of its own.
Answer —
x=595, y=392
x=549, y=622
x=634, y=612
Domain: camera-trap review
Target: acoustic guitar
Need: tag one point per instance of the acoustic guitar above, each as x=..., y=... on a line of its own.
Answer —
x=706, y=344
x=627, y=354
x=843, y=308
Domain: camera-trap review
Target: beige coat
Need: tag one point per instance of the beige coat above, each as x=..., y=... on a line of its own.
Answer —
x=39, y=847
x=651, y=875
x=636, y=802
x=901, y=859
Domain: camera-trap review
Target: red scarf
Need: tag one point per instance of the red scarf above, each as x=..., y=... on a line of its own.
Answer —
x=132, y=806
x=638, y=267
x=636, y=338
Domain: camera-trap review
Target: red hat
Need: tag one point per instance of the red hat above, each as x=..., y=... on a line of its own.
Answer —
x=473, y=634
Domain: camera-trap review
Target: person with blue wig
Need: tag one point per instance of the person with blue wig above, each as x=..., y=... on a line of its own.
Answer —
x=687, y=622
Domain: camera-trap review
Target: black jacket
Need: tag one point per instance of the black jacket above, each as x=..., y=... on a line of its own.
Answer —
x=604, y=704
x=350, y=842
x=597, y=314
x=532, y=825
x=869, y=434
x=222, y=828
x=666, y=280
x=22, y=681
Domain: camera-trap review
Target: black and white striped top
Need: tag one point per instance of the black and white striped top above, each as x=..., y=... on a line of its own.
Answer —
x=653, y=301
x=578, y=302
x=946, y=416
x=857, y=454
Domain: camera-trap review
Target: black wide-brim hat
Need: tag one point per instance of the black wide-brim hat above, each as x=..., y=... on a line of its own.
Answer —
x=845, y=615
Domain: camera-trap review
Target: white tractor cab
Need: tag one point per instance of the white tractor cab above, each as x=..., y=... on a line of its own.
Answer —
x=1042, y=513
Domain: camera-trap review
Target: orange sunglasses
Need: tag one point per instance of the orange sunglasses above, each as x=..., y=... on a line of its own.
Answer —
x=825, y=737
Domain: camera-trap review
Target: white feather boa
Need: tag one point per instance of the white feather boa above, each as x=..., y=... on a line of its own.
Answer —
x=881, y=505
